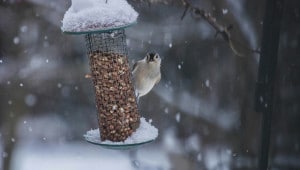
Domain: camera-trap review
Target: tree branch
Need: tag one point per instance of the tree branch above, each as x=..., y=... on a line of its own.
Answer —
x=224, y=31
x=185, y=10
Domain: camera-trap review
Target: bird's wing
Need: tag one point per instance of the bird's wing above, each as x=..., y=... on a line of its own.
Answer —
x=134, y=66
x=158, y=79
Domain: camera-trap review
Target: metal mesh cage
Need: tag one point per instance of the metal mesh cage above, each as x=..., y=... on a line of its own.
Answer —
x=118, y=115
x=107, y=42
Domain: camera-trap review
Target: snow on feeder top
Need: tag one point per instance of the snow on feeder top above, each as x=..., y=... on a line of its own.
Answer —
x=103, y=23
x=87, y=16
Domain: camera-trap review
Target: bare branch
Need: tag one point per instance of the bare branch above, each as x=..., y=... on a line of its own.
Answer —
x=220, y=29
x=185, y=10
x=197, y=12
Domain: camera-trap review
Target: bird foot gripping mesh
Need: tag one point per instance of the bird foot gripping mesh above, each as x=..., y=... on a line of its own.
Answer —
x=118, y=115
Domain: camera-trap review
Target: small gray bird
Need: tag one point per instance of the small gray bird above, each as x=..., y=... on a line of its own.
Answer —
x=146, y=73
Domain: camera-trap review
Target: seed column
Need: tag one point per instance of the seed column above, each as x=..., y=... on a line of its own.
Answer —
x=118, y=115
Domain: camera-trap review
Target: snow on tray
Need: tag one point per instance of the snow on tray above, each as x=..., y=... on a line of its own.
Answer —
x=145, y=132
x=93, y=15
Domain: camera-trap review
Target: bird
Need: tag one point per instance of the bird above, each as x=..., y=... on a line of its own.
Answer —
x=146, y=73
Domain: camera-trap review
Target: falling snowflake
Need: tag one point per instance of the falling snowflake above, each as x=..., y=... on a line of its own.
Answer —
x=224, y=11
x=24, y=28
x=207, y=83
x=10, y=102
x=199, y=157
x=261, y=99
x=16, y=40
x=13, y=140
x=166, y=110
x=177, y=117
x=30, y=100
x=4, y=154
x=59, y=85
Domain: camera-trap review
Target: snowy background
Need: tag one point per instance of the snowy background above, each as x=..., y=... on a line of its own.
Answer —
x=203, y=106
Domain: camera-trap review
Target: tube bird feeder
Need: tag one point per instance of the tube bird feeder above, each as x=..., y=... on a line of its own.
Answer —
x=103, y=24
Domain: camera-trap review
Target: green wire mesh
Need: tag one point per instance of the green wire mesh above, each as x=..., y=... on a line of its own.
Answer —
x=107, y=42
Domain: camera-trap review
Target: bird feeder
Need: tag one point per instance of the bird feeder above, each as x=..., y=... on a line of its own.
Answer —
x=103, y=24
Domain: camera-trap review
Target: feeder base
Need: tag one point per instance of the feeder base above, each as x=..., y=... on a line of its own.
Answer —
x=146, y=133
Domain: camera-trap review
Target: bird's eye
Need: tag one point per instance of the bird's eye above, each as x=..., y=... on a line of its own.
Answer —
x=156, y=56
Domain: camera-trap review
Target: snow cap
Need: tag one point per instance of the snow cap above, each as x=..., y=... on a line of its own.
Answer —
x=98, y=15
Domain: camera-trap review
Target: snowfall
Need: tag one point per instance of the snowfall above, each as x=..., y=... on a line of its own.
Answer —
x=50, y=104
x=93, y=15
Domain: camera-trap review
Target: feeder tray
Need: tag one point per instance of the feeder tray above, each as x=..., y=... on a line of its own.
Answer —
x=118, y=146
x=146, y=133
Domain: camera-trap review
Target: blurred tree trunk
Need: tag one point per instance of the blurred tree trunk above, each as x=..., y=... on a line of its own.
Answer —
x=9, y=123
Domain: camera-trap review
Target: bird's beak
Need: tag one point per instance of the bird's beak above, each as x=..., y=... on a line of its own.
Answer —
x=151, y=59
